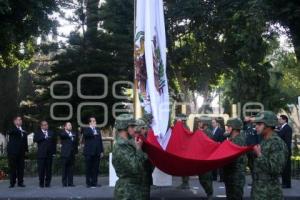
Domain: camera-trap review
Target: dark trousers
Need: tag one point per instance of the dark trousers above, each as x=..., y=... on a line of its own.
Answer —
x=251, y=157
x=67, y=170
x=92, y=169
x=286, y=173
x=16, y=169
x=45, y=171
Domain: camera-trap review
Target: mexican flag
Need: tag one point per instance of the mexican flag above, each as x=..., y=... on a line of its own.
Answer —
x=178, y=151
x=150, y=63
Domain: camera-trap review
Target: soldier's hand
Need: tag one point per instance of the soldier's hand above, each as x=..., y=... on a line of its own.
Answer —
x=257, y=150
x=138, y=143
x=101, y=155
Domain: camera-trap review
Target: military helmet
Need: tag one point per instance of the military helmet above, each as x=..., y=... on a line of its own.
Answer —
x=147, y=117
x=235, y=123
x=196, y=119
x=122, y=121
x=181, y=117
x=132, y=122
x=205, y=120
x=267, y=117
x=140, y=124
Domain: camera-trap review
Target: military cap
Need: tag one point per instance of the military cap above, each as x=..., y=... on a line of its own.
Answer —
x=132, y=122
x=147, y=117
x=140, y=124
x=122, y=121
x=235, y=123
x=267, y=117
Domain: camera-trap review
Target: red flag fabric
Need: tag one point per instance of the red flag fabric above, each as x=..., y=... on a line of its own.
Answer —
x=189, y=154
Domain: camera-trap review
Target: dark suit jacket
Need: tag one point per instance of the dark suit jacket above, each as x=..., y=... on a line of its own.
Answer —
x=252, y=138
x=17, y=142
x=219, y=135
x=286, y=134
x=92, y=143
x=46, y=146
x=69, y=145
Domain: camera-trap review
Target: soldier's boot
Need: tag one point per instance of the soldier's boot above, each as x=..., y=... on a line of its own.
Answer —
x=209, y=197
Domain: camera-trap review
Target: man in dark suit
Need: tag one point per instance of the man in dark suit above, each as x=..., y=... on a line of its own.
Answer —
x=286, y=133
x=218, y=136
x=93, y=151
x=218, y=133
x=69, y=147
x=46, y=141
x=16, y=147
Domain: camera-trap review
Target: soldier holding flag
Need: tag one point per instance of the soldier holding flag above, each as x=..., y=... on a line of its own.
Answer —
x=128, y=160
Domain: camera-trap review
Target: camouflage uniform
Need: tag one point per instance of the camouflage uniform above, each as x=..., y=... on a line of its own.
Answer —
x=252, y=138
x=234, y=173
x=147, y=179
x=268, y=166
x=207, y=183
x=147, y=118
x=208, y=132
x=185, y=179
x=206, y=180
x=148, y=167
x=129, y=165
x=267, y=169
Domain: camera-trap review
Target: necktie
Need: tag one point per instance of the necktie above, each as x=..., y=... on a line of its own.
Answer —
x=46, y=134
x=70, y=135
x=20, y=128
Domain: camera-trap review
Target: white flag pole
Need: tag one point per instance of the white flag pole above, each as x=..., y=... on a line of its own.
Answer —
x=137, y=110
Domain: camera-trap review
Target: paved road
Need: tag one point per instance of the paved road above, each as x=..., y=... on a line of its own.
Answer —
x=57, y=192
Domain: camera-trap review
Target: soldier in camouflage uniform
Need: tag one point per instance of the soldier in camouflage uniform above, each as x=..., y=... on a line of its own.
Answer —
x=128, y=160
x=234, y=172
x=131, y=129
x=185, y=179
x=252, y=138
x=204, y=124
x=206, y=180
x=270, y=161
x=142, y=129
x=147, y=118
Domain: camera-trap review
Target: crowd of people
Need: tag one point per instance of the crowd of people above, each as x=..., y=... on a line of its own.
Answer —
x=270, y=158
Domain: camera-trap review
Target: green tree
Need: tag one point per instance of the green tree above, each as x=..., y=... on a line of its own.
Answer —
x=195, y=48
x=21, y=22
x=90, y=50
x=286, y=13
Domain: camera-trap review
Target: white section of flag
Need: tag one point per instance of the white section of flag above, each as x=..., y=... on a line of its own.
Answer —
x=150, y=21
